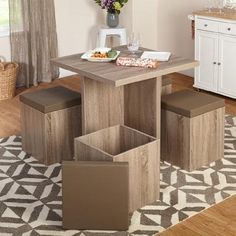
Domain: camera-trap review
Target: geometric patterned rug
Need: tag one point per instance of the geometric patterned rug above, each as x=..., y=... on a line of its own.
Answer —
x=30, y=193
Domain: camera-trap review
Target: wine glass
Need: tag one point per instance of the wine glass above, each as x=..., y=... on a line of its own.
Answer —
x=133, y=43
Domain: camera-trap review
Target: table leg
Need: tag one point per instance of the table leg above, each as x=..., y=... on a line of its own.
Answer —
x=143, y=106
x=102, y=105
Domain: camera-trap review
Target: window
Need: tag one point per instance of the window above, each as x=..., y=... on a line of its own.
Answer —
x=4, y=18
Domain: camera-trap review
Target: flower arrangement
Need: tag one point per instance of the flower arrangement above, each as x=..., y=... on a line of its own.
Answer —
x=112, y=6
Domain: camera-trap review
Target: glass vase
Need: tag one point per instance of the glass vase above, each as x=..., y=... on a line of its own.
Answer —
x=112, y=19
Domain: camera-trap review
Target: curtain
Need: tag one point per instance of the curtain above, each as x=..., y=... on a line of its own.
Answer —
x=33, y=39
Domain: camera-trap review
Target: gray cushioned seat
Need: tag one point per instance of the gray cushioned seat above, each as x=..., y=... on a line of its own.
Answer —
x=190, y=103
x=52, y=99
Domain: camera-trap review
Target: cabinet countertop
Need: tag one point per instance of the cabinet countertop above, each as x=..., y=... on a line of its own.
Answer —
x=228, y=14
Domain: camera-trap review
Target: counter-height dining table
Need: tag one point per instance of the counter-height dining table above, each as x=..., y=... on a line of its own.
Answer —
x=120, y=95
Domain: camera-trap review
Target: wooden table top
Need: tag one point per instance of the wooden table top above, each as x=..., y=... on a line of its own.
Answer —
x=121, y=75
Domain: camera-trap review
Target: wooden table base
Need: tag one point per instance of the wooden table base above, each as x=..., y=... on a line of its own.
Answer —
x=102, y=105
x=143, y=106
x=136, y=105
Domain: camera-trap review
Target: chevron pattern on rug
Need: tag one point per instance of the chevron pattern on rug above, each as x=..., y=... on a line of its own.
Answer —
x=30, y=193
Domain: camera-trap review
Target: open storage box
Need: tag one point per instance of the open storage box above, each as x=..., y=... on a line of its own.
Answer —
x=123, y=144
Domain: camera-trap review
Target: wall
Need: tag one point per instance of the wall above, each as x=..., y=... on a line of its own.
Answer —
x=76, y=26
x=173, y=27
x=145, y=17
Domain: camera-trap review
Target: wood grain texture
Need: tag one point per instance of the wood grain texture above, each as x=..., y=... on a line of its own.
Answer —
x=102, y=105
x=191, y=143
x=218, y=220
x=123, y=144
x=166, y=85
x=229, y=14
x=50, y=137
x=142, y=106
x=166, y=89
x=33, y=132
x=175, y=139
x=121, y=75
x=207, y=138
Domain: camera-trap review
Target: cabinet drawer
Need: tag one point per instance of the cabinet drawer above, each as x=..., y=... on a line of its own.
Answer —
x=208, y=25
x=228, y=28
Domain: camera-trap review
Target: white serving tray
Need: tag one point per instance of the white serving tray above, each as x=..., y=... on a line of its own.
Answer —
x=88, y=55
x=159, y=56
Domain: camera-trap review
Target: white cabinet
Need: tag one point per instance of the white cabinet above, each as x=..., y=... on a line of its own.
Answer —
x=206, y=52
x=227, y=69
x=215, y=49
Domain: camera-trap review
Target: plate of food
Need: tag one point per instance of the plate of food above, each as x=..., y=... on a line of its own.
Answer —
x=101, y=55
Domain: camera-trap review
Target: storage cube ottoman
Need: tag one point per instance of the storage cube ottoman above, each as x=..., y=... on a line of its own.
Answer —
x=50, y=120
x=123, y=144
x=192, y=129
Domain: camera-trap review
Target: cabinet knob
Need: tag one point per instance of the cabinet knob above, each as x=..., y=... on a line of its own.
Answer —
x=214, y=63
x=206, y=25
x=229, y=29
x=219, y=63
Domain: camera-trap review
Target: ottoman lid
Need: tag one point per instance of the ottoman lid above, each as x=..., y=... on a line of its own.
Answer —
x=166, y=80
x=190, y=103
x=52, y=99
x=99, y=198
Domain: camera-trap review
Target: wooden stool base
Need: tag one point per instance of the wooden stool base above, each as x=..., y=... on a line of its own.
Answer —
x=50, y=137
x=191, y=143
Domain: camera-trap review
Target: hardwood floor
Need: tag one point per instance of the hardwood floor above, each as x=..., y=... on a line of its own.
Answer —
x=218, y=220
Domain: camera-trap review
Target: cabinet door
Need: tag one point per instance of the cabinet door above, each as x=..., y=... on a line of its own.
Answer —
x=227, y=67
x=206, y=52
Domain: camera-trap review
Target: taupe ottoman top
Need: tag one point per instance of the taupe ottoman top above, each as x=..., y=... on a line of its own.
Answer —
x=95, y=195
x=52, y=99
x=190, y=103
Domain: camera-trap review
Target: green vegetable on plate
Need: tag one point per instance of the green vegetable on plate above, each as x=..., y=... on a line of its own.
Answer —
x=112, y=53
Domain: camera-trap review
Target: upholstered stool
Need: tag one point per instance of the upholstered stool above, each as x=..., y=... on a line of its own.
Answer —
x=50, y=120
x=95, y=195
x=192, y=129
x=166, y=85
x=106, y=31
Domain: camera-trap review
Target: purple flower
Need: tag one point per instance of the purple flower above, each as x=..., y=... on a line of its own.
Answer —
x=108, y=4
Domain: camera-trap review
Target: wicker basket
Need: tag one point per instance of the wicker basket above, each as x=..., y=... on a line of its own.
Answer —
x=8, y=75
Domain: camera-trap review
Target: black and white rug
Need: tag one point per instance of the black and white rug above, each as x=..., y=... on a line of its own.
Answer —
x=30, y=193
